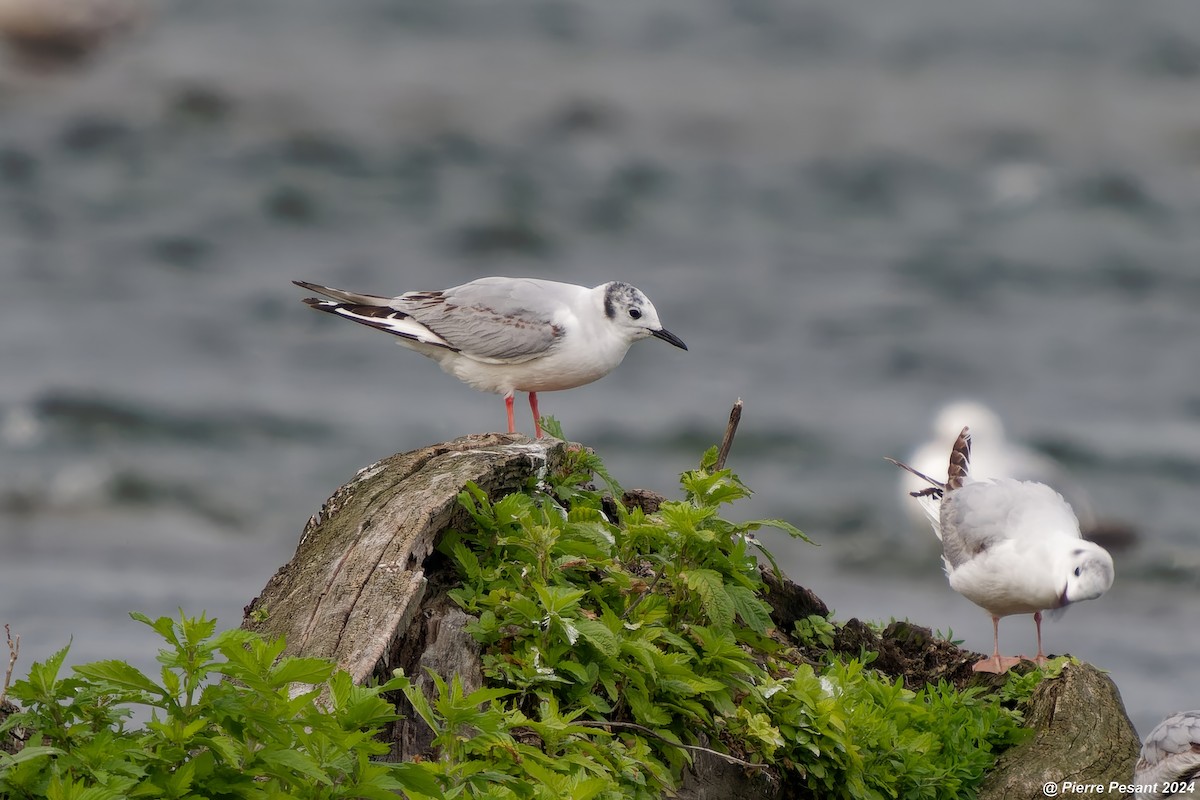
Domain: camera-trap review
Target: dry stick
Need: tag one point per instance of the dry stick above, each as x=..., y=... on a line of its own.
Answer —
x=735, y=416
x=14, y=647
x=731, y=759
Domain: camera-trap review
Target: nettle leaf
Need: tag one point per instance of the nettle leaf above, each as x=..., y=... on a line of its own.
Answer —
x=644, y=711
x=713, y=488
x=417, y=778
x=529, y=611
x=289, y=764
x=642, y=652
x=475, y=502
x=302, y=670
x=557, y=600
x=597, y=634
x=686, y=518
x=513, y=509
x=579, y=672
x=467, y=561
x=121, y=674
x=753, y=611
x=714, y=599
x=590, y=539
x=163, y=626
x=42, y=684
x=778, y=524
x=27, y=754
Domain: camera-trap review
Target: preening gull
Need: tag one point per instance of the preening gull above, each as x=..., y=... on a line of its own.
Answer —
x=1170, y=760
x=1010, y=547
x=506, y=335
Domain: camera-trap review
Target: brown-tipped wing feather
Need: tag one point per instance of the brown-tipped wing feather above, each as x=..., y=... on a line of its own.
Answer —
x=960, y=460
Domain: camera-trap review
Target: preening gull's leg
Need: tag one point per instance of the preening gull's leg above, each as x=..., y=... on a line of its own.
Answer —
x=997, y=663
x=1040, y=659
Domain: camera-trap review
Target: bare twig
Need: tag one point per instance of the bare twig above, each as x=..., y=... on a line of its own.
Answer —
x=14, y=649
x=735, y=416
x=660, y=737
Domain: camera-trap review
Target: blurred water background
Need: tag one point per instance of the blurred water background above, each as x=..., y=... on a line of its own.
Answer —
x=852, y=212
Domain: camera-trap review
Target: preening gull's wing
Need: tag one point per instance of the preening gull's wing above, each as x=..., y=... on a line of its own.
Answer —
x=982, y=513
x=499, y=320
x=1170, y=753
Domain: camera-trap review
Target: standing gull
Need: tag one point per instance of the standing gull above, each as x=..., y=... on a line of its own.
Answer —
x=506, y=335
x=1170, y=759
x=1010, y=547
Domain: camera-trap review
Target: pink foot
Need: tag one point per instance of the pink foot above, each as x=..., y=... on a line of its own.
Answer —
x=996, y=664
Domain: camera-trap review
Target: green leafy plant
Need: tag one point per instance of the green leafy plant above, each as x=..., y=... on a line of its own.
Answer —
x=815, y=630
x=656, y=624
x=616, y=644
x=227, y=721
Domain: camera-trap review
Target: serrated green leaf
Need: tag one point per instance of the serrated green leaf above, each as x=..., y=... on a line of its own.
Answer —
x=121, y=674
x=714, y=598
x=467, y=561
x=288, y=763
x=417, y=778
x=27, y=754
x=778, y=524
x=301, y=670
x=753, y=611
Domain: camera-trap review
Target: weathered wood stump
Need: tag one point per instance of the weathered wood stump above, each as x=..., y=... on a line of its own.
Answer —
x=1081, y=734
x=367, y=589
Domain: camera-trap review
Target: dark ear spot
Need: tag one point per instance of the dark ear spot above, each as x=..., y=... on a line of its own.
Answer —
x=1077, y=552
x=613, y=295
x=610, y=301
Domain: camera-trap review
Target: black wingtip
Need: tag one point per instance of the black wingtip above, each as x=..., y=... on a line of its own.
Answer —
x=937, y=485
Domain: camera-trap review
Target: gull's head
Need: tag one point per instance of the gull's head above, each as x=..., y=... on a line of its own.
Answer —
x=632, y=314
x=1089, y=571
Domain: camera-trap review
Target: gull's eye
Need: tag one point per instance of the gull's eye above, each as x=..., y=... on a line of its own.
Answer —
x=635, y=313
x=1078, y=571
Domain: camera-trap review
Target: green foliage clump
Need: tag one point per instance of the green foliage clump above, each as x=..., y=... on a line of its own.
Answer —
x=622, y=635
x=616, y=643
x=248, y=737
x=815, y=630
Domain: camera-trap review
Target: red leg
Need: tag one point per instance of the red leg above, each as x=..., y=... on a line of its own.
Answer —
x=508, y=405
x=536, y=416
